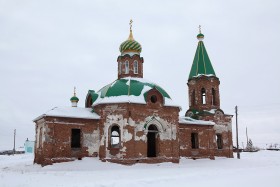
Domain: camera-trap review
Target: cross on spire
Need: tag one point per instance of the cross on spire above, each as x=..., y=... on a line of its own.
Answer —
x=130, y=23
x=74, y=90
x=199, y=27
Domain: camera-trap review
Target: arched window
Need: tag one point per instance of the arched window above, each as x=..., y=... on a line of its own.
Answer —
x=126, y=67
x=193, y=98
x=213, y=97
x=219, y=141
x=203, y=96
x=135, y=66
x=115, y=136
x=120, y=68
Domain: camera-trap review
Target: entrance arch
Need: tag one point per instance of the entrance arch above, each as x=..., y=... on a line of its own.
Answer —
x=152, y=141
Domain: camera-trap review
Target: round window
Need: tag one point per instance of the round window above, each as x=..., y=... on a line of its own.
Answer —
x=153, y=99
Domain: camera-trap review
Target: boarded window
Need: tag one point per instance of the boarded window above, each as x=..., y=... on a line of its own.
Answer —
x=219, y=141
x=115, y=136
x=194, y=140
x=75, y=138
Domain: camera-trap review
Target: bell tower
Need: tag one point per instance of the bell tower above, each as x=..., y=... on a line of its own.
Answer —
x=203, y=83
x=130, y=63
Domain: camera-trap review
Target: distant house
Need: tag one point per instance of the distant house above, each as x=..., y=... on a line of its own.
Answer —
x=134, y=120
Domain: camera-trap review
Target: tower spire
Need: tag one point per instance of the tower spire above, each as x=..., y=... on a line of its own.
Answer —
x=201, y=63
x=130, y=29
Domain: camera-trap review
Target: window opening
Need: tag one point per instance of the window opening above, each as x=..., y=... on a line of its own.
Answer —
x=194, y=140
x=115, y=137
x=153, y=98
x=219, y=141
x=126, y=67
x=135, y=67
x=75, y=138
x=203, y=96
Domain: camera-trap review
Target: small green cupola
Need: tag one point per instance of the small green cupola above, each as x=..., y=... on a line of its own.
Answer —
x=201, y=63
x=74, y=100
x=130, y=45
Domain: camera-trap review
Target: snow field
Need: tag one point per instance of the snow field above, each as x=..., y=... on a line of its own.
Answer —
x=253, y=169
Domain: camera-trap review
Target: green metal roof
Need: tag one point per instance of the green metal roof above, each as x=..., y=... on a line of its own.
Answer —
x=128, y=89
x=201, y=63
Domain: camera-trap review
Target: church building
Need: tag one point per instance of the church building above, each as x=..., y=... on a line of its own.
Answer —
x=133, y=120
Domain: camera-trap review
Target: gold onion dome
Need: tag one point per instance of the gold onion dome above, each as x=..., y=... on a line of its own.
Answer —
x=130, y=45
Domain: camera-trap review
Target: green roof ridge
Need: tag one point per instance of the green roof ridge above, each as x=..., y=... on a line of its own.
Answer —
x=201, y=63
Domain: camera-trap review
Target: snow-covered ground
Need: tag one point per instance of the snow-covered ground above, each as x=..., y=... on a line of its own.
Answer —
x=253, y=169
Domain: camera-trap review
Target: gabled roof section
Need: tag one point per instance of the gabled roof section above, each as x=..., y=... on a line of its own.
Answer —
x=70, y=112
x=201, y=63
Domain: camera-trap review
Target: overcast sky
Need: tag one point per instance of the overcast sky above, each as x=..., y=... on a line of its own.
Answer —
x=48, y=47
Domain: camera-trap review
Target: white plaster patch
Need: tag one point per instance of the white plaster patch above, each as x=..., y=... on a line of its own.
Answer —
x=126, y=135
x=220, y=128
x=183, y=147
x=138, y=138
x=91, y=141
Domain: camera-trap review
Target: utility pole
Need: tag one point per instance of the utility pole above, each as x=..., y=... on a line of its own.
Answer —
x=14, y=150
x=238, y=153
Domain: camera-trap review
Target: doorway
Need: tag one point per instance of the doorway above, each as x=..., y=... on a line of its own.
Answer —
x=152, y=141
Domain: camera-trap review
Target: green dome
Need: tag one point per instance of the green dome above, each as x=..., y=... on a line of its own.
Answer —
x=200, y=35
x=130, y=45
x=129, y=90
x=74, y=98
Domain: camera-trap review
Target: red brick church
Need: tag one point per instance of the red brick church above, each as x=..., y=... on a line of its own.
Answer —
x=133, y=120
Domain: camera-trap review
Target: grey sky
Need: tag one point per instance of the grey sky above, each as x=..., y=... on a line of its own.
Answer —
x=48, y=47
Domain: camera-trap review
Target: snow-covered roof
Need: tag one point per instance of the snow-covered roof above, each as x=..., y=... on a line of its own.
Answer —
x=71, y=112
x=129, y=90
x=191, y=121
